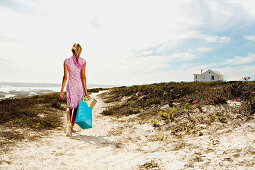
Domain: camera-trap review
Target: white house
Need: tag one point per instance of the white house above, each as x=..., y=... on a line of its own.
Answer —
x=209, y=75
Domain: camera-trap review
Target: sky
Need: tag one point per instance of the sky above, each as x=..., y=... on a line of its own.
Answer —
x=127, y=42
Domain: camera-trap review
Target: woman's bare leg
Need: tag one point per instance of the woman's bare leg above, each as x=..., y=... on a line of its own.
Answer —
x=68, y=127
x=68, y=115
x=73, y=117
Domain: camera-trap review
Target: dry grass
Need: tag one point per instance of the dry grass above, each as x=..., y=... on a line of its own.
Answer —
x=180, y=145
x=115, y=132
x=149, y=165
x=25, y=111
x=29, y=118
x=159, y=136
x=180, y=97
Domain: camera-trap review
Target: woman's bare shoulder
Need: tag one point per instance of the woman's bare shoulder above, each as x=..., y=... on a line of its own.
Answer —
x=67, y=59
x=83, y=60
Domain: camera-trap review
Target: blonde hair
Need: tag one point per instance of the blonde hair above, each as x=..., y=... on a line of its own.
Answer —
x=76, y=49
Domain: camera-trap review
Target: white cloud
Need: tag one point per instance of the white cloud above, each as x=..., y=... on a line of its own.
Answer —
x=249, y=37
x=236, y=73
x=203, y=49
x=233, y=62
x=247, y=6
x=216, y=39
x=237, y=60
x=222, y=15
x=182, y=56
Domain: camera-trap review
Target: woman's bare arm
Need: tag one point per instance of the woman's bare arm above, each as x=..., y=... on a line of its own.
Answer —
x=62, y=95
x=83, y=77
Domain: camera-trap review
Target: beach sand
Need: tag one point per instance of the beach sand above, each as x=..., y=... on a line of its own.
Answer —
x=120, y=143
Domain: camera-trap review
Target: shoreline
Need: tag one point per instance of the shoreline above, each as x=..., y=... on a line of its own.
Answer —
x=22, y=89
x=17, y=94
x=21, y=94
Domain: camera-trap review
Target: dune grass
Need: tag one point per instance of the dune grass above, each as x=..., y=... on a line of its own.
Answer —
x=30, y=117
x=184, y=92
x=178, y=106
x=25, y=111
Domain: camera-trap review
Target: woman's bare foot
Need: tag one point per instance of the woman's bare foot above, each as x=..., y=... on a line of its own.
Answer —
x=68, y=129
x=73, y=130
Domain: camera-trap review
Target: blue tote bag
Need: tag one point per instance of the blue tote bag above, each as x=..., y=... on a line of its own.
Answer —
x=84, y=115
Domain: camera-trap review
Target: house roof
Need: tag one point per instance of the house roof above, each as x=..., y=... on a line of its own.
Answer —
x=216, y=72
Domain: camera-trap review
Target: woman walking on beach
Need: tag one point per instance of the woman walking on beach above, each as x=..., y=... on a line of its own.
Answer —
x=76, y=87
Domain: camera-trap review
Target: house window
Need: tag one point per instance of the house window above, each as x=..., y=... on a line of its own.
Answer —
x=195, y=77
x=212, y=77
x=203, y=77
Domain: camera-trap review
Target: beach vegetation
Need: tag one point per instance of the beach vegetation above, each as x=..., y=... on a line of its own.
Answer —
x=164, y=115
x=154, y=123
x=218, y=99
x=149, y=165
x=95, y=90
x=200, y=134
x=158, y=136
x=57, y=105
x=189, y=103
x=26, y=111
x=180, y=145
x=212, y=118
x=219, y=114
x=209, y=150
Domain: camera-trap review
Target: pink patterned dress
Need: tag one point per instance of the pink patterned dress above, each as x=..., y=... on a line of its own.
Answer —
x=74, y=88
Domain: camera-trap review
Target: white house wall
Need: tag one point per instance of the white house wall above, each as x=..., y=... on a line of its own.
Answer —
x=206, y=76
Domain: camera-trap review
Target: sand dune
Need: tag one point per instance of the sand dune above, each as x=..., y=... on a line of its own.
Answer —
x=122, y=144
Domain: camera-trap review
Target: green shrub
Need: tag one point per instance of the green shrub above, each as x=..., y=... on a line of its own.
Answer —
x=181, y=92
x=94, y=90
x=154, y=123
x=219, y=114
x=120, y=110
x=212, y=118
x=167, y=116
x=217, y=100
x=164, y=115
x=252, y=105
x=57, y=105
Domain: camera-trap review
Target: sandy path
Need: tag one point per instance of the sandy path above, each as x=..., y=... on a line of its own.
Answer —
x=122, y=144
x=88, y=149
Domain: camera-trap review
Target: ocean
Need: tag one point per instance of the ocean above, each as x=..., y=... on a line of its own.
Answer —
x=16, y=89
